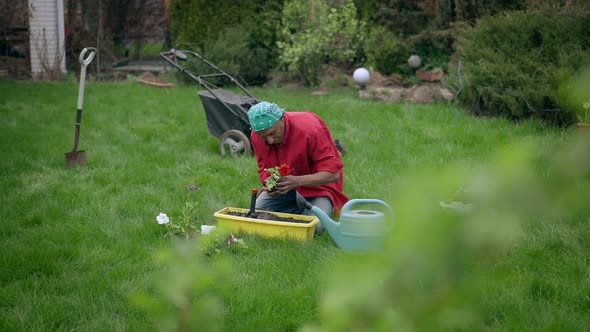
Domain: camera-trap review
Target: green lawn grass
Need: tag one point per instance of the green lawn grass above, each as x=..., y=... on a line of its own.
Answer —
x=81, y=249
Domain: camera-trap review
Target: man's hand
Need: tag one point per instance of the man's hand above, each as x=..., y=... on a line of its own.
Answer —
x=274, y=193
x=286, y=184
x=290, y=182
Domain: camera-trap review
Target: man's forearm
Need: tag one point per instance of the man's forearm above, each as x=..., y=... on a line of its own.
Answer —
x=317, y=179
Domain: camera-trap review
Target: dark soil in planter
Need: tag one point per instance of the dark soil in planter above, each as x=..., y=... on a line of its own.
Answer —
x=268, y=216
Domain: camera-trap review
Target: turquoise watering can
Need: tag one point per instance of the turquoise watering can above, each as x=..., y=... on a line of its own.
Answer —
x=357, y=231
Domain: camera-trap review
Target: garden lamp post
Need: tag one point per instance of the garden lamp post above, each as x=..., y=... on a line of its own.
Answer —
x=414, y=61
x=361, y=77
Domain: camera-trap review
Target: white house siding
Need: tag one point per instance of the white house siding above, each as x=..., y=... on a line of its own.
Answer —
x=47, y=42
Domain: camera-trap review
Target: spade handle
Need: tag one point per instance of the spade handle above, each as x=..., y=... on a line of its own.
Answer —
x=84, y=62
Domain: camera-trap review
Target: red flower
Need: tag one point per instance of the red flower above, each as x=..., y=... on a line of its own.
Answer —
x=284, y=170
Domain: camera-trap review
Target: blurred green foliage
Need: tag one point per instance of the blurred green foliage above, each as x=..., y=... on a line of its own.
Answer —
x=574, y=95
x=442, y=269
x=187, y=292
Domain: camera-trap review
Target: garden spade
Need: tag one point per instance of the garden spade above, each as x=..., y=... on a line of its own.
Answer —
x=74, y=156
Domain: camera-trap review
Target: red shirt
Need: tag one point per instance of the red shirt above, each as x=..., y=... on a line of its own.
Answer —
x=308, y=148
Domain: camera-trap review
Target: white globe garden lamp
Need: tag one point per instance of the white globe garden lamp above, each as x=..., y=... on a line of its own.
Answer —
x=414, y=61
x=361, y=77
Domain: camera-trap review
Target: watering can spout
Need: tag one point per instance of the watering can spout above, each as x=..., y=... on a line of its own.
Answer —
x=329, y=224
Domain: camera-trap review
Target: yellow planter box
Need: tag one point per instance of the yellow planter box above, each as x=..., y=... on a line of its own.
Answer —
x=269, y=228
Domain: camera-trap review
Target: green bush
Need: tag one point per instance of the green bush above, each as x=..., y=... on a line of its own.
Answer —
x=232, y=52
x=194, y=21
x=387, y=52
x=239, y=37
x=557, y=4
x=435, y=48
x=449, y=11
x=315, y=34
x=512, y=64
x=228, y=51
x=406, y=17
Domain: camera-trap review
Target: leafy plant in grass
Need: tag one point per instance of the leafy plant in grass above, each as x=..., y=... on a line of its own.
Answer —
x=513, y=63
x=185, y=227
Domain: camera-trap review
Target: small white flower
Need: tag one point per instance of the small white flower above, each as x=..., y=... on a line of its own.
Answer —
x=206, y=229
x=586, y=105
x=162, y=218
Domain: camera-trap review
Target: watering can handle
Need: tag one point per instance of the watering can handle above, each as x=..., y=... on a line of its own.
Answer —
x=352, y=202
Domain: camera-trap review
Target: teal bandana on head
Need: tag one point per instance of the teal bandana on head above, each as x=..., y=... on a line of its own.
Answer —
x=264, y=115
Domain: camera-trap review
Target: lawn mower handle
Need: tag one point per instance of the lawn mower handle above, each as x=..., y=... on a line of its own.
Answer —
x=169, y=56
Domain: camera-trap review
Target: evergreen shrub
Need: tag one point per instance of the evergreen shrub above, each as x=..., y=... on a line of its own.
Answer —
x=513, y=63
